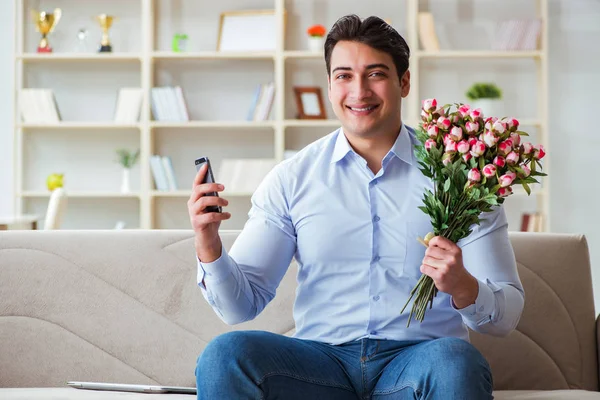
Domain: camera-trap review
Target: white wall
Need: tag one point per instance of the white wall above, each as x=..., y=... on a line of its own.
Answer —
x=574, y=70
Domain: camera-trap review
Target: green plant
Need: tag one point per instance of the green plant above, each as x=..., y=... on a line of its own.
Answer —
x=482, y=90
x=127, y=158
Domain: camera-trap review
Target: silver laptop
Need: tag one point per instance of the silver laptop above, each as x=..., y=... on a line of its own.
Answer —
x=120, y=387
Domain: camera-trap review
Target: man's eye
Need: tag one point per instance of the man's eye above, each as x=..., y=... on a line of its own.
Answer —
x=342, y=76
x=377, y=74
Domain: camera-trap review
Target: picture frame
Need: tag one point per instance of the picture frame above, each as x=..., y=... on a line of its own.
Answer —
x=309, y=102
x=250, y=30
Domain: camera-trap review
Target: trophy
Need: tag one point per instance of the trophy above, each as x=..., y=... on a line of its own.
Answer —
x=45, y=23
x=105, y=22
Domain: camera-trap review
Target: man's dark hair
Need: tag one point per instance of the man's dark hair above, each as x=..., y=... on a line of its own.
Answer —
x=374, y=32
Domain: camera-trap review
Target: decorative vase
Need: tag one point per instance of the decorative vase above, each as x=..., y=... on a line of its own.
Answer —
x=490, y=107
x=316, y=43
x=125, y=187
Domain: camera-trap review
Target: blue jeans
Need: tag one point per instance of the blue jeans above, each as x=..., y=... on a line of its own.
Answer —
x=262, y=365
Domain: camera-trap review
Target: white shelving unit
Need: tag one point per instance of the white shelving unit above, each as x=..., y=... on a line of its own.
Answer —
x=142, y=58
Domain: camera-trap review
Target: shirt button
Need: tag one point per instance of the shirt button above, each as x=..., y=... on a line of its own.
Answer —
x=373, y=332
x=375, y=182
x=481, y=308
x=376, y=298
x=376, y=258
x=376, y=218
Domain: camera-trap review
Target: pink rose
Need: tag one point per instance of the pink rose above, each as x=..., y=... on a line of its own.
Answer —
x=507, y=179
x=478, y=149
x=447, y=158
x=424, y=116
x=451, y=147
x=504, y=191
x=476, y=114
x=489, y=170
x=512, y=124
x=499, y=127
x=456, y=133
x=490, y=139
x=489, y=122
x=463, y=147
x=429, y=105
x=505, y=147
x=464, y=110
x=527, y=148
x=467, y=157
x=472, y=127
x=474, y=175
x=444, y=123
x=516, y=138
x=526, y=171
x=499, y=161
x=433, y=131
x=539, y=152
x=472, y=141
x=429, y=143
x=447, y=139
x=512, y=158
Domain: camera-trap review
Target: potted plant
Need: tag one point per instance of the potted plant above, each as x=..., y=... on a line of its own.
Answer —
x=316, y=37
x=127, y=160
x=486, y=96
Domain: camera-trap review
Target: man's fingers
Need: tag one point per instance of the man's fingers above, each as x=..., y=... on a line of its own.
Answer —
x=442, y=243
x=206, y=201
x=202, y=189
x=200, y=175
x=429, y=271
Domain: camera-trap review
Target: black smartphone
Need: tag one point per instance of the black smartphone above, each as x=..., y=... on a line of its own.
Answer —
x=208, y=178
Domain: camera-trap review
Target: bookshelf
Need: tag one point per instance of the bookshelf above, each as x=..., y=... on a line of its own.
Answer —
x=218, y=88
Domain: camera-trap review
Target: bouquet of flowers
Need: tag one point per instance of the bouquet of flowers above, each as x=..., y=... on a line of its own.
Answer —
x=474, y=162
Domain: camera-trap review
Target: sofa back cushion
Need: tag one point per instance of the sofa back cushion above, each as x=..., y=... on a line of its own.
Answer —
x=123, y=306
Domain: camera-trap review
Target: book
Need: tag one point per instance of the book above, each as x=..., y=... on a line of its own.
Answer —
x=129, y=103
x=427, y=35
x=38, y=106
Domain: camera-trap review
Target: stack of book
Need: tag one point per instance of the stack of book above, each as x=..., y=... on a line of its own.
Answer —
x=427, y=34
x=38, y=106
x=129, y=104
x=168, y=104
x=260, y=109
x=244, y=175
x=163, y=173
x=517, y=34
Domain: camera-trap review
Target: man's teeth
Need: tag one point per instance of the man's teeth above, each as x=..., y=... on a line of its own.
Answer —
x=362, y=109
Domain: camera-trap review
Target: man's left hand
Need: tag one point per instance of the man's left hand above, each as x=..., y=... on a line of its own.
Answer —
x=443, y=263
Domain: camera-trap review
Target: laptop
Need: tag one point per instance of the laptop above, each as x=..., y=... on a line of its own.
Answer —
x=120, y=387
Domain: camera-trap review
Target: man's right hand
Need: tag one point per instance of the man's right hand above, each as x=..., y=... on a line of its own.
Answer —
x=206, y=224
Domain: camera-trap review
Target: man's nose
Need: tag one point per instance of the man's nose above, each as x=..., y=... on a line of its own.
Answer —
x=361, y=88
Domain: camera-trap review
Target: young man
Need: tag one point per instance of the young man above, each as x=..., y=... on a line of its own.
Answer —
x=346, y=208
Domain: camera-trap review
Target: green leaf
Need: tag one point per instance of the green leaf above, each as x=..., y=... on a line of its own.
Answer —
x=447, y=185
x=522, y=133
x=527, y=188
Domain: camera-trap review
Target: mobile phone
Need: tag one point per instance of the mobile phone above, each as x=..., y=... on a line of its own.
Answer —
x=208, y=178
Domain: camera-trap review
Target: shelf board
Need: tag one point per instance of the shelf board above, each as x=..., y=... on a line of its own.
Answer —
x=187, y=193
x=478, y=54
x=78, y=125
x=302, y=54
x=213, y=55
x=299, y=123
x=53, y=57
x=83, y=194
x=213, y=124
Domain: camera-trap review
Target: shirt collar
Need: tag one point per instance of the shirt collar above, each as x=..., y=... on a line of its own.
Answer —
x=402, y=148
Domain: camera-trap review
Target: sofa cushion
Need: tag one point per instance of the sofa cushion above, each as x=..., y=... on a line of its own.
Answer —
x=68, y=393
x=546, y=395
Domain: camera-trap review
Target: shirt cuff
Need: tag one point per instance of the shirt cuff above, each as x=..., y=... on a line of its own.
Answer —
x=215, y=271
x=484, y=308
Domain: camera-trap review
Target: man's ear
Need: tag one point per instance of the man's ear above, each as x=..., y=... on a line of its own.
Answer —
x=405, y=83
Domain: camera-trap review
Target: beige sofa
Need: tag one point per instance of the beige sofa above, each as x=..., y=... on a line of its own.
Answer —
x=123, y=306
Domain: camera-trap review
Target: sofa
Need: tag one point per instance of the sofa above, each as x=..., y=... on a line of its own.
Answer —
x=123, y=306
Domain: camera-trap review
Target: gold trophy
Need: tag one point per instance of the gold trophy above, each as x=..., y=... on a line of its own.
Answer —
x=45, y=23
x=105, y=22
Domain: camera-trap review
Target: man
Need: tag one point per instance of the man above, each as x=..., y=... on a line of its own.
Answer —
x=346, y=208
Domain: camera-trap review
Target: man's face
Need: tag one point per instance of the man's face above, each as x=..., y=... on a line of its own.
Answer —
x=364, y=89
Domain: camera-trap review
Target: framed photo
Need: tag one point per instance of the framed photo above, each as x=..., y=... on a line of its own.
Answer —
x=248, y=31
x=309, y=102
